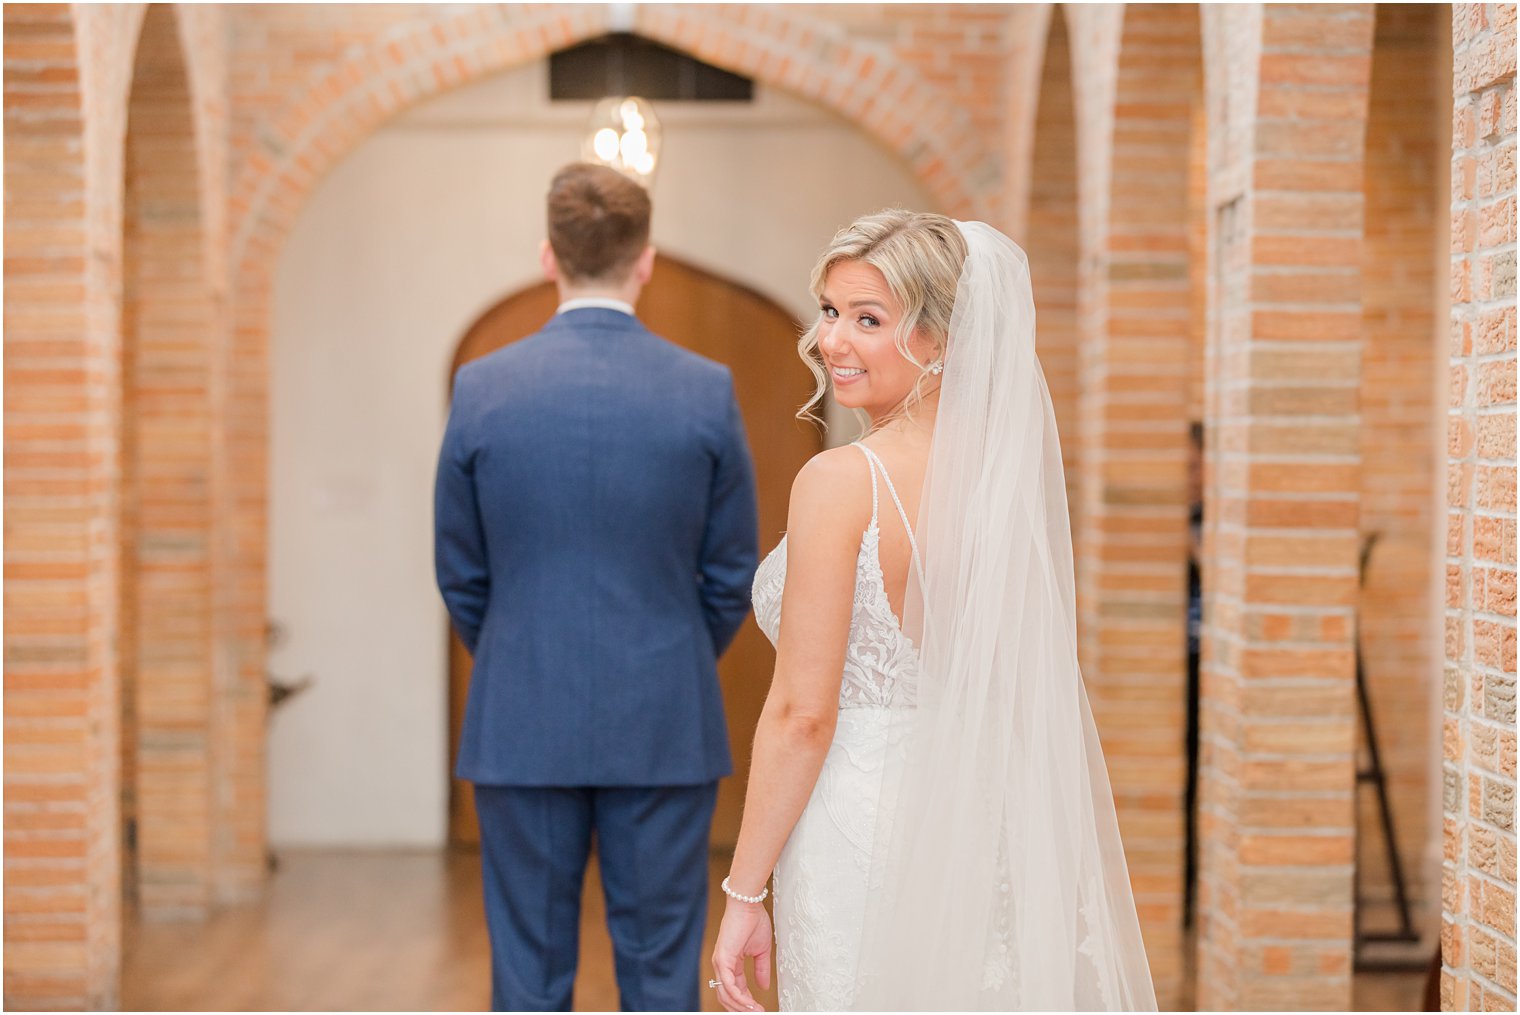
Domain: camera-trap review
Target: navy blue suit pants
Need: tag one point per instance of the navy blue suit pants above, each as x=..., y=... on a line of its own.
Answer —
x=651, y=843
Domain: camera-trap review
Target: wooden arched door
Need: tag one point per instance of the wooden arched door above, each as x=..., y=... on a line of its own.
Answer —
x=757, y=340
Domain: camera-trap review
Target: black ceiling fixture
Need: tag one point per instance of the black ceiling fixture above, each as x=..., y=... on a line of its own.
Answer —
x=623, y=63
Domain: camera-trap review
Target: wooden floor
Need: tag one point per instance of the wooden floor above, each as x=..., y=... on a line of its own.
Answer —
x=365, y=931
x=394, y=931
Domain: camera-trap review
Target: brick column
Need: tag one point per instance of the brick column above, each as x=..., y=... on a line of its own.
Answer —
x=62, y=860
x=1046, y=224
x=1288, y=99
x=1136, y=354
x=1478, y=872
x=168, y=344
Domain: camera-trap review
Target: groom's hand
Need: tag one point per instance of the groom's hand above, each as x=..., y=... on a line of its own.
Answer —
x=744, y=933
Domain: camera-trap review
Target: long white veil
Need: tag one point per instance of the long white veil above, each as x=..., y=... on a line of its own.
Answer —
x=999, y=879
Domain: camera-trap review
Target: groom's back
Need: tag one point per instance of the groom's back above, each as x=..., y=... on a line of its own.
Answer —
x=615, y=507
x=595, y=543
x=596, y=442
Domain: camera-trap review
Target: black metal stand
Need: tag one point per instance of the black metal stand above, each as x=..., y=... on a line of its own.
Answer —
x=1375, y=774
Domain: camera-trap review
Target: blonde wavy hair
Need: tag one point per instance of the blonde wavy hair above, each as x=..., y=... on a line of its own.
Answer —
x=920, y=254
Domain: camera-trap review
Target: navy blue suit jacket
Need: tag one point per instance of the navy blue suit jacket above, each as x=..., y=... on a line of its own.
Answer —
x=595, y=543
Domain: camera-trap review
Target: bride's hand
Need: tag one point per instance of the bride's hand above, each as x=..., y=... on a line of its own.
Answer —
x=744, y=933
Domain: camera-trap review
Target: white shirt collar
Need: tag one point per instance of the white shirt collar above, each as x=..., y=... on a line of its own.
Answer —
x=596, y=301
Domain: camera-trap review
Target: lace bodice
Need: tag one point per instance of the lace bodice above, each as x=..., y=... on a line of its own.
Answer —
x=880, y=661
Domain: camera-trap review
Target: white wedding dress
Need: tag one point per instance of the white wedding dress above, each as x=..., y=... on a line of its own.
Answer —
x=961, y=849
x=820, y=886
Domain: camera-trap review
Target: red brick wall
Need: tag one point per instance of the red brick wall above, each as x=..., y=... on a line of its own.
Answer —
x=1478, y=874
x=958, y=53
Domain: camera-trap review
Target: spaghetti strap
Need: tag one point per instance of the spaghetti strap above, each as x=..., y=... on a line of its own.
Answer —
x=877, y=463
x=871, y=467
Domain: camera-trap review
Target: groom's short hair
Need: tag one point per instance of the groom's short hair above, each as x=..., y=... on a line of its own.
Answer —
x=598, y=222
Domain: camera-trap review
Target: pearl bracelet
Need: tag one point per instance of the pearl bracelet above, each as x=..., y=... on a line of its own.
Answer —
x=744, y=898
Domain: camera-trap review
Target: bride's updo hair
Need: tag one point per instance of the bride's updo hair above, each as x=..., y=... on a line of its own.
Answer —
x=920, y=254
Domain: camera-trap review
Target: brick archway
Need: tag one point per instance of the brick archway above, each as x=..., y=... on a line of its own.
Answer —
x=293, y=149
x=869, y=86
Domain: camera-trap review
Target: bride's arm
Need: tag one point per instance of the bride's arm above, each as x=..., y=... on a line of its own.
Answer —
x=829, y=509
x=827, y=514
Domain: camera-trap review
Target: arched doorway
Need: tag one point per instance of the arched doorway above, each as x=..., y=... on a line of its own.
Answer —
x=358, y=371
x=315, y=133
x=697, y=310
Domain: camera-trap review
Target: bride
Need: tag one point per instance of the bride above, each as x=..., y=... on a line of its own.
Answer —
x=929, y=792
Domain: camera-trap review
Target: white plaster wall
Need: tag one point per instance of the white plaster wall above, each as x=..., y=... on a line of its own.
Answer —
x=425, y=226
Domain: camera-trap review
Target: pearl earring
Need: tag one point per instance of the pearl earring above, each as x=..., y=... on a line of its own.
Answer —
x=937, y=367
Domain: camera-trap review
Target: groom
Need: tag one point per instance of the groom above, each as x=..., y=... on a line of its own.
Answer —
x=595, y=543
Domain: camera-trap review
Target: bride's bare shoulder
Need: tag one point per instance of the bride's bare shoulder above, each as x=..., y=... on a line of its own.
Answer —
x=832, y=492
x=835, y=473
x=900, y=451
